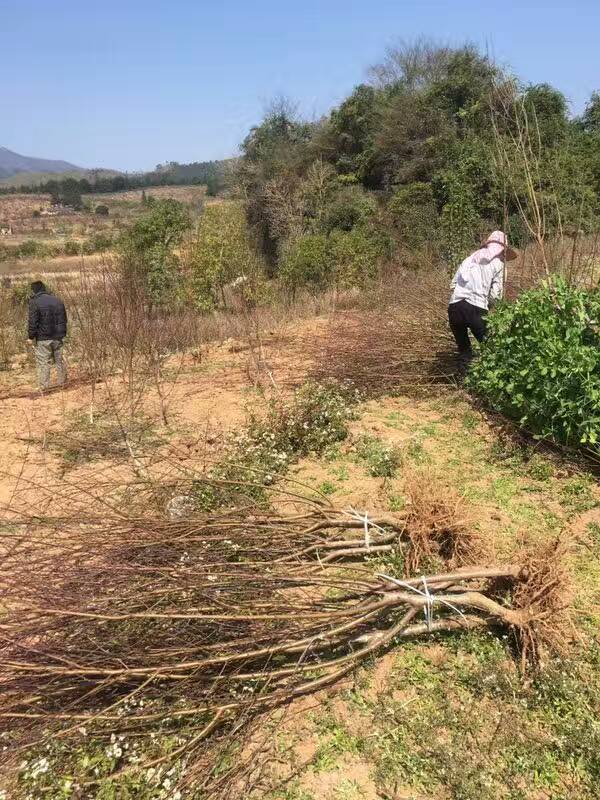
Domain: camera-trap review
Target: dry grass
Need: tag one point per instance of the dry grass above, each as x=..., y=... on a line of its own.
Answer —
x=400, y=342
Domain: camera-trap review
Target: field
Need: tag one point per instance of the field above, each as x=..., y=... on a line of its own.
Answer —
x=82, y=230
x=447, y=716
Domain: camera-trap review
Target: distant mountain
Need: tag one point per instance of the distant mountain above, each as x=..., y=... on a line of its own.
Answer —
x=13, y=163
x=28, y=179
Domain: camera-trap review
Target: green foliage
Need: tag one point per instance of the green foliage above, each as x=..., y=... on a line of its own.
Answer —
x=221, y=254
x=547, y=109
x=427, y=138
x=541, y=363
x=308, y=262
x=349, y=134
x=102, y=210
x=344, y=258
x=381, y=459
x=32, y=249
x=590, y=120
x=415, y=215
x=349, y=207
x=67, y=191
x=314, y=419
x=148, y=247
x=357, y=255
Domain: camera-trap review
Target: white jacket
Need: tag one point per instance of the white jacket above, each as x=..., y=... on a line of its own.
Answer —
x=480, y=278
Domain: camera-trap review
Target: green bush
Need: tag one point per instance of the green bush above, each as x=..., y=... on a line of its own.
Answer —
x=102, y=210
x=415, y=213
x=307, y=262
x=540, y=364
x=346, y=258
x=71, y=248
x=349, y=206
x=32, y=249
x=381, y=459
x=222, y=254
x=358, y=254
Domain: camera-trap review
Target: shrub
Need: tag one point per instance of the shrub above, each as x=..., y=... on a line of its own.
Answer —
x=349, y=206
x=32, y=249
x=381, y=459
x=148, y=248
x=307, y=262
x=221, y=254
x=346, y=258
x=315, y=418
x=357, y=255
x=540, y=364
x=71, y=248
x=100, y=242
x=102, y=211
x=415, y=213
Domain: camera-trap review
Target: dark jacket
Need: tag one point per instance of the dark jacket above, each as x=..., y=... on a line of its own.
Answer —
x=47, y=317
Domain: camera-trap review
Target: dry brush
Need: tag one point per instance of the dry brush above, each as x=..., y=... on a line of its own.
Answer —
x=215, y=619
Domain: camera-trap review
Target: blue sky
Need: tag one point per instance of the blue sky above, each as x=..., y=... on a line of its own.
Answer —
x=129, y=84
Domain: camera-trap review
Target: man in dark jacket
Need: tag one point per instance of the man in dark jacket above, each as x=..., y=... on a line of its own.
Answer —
x=47, y=328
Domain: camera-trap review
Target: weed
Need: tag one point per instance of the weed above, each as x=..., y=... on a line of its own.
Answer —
x=470, y=420
x=338, y=741
x=416, y=452
x=539, y=468
x=341, y=473
x=506, y=452
x=594, y=532
x=381, y=459
x=311, y=422
x=576, y=494
x=348, y=790
x=397, y=502
x=292, y=792
x=327, y=488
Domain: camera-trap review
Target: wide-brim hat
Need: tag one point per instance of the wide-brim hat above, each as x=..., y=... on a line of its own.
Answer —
x=499, y=237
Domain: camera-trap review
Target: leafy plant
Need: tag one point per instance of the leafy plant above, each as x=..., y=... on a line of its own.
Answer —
x=222, y=254
x=314, y=419
x=381, y=459
x=541, y=363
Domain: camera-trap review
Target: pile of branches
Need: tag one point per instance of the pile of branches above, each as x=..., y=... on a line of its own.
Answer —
x=213, y=620
x=402, y=344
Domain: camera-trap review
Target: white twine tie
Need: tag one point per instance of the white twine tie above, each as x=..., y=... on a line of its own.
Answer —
x=364, y=518
x=428, y=596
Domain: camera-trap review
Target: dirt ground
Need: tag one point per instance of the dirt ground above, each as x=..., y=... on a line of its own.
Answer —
x=405, y=726
x=208, y=395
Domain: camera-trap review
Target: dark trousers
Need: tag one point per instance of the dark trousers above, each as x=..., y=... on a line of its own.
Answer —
x=464, y=317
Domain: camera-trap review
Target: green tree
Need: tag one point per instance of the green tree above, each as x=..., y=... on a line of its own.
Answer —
x=546, y=110
x=148, y=248
x=590, y=120
x=221, y=253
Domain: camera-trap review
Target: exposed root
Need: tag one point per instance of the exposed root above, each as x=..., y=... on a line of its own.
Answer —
x=544, y=599
x=437, y=525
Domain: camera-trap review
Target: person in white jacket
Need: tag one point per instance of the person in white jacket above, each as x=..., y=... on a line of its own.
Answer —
x=478, y=281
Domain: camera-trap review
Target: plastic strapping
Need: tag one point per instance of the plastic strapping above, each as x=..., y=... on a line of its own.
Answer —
x=364, y=518
x=428, y=596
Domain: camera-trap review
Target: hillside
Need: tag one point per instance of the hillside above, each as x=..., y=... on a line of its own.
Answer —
x=12, y=163
x=27, y=179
